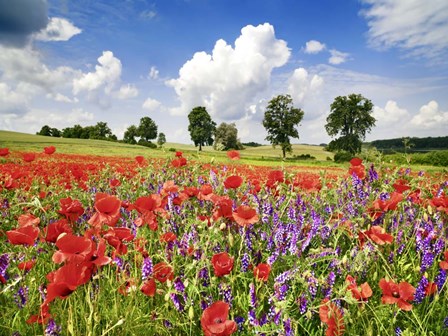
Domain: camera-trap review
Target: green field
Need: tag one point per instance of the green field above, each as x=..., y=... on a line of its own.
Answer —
x=265, y=155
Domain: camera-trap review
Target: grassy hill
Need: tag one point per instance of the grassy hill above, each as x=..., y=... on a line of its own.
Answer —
x=35, y=143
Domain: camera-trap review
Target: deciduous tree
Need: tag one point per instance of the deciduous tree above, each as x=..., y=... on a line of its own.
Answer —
x=147, y=129
x=226, y=137
x=201, y=127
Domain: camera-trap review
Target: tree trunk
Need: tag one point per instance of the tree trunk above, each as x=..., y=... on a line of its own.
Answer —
x=200, y=147
x=284, y=152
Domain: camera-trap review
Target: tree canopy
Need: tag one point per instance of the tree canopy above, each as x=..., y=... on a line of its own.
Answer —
x=161, y=139
x=351, y=119
x=280, y=120
x=130, y=134
x=201, y=127
x=226, y=137
x=147, y=129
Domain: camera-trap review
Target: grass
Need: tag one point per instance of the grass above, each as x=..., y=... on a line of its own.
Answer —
x=264, y=155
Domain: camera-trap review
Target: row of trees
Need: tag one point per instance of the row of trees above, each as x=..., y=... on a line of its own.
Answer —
x=100, y=131
x=349, y=121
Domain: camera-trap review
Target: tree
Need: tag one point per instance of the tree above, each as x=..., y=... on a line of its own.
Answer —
x=130, y=134
x=147, y=129
x=161, y=139
x=280, y=120
x=201, y=127
x=350, y=118
x=55, y=133
x=100, y=131
x=45, y=131
x=226, y=137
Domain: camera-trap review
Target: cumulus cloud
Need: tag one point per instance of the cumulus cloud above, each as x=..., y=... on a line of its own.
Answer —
x=228, y=80
x=314, y=47
x=391, y=113
x=12, y=102
x=151, y=104
x=338, y=57
x=61, y=98
x=127, y=91
x=302, y=85
x=58, y=29
x=148, y=14
x=430, y=116
x=106, y=75
x=419, y=27
x=19, y=19
x=153, y=73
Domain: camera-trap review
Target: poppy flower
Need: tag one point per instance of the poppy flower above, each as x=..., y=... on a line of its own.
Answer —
x=401, y=186
x=261, y=272
x=29, y=157
x=401, y=294
x=4, y=151
x=168, y=237
x=113, y=183
x=140, y=159
x=49, y=150
x=356, y=161
x=331, y=315
x=43, y=316
x=361, y=293
x=73, y=249
x=179, y=154
x=149, y=287
x=54, y=229
x=98, y=258
x=377, y=234
x=444, y=263
x=25, y=235
x=26, y=265
x=180, y=162
x=28, y=219
x=245, y=215
x=233, y=155
x=275, y=176
x=233, y=182
x=206, y=192
x=71, y=209
x=214, y=320
x=163, y=272
x=107, y=210
x=223, y=207
x=222, y=264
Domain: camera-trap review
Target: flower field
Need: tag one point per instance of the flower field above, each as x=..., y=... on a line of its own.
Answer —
x=94, y=245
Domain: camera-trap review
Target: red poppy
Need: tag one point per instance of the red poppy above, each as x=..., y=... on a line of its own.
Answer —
x=163, y=272
x=361, y=293
x=233, y=155
x=107, y=210
x=440, y=203
x=275, y=176
x=168, y=237
x=261, y=272
x=356, y=161
x=147, y=206
x=214, y=320
x=331, y=315
x=223, y=207
x=114, y=183
x=444, y=263
x=377, y=234
x=401, y=294
x=401, y=186
x=140, y=159
x=71, y=209
x=98, y=258
x=73, y=249
x=4, y=151
x=149, y=287
x=180, y=162
x=25, y=235
x=206, y=192
x=222, y=264
x=179, y=154
x=245, y=215
x=431, y=288
x=49, y=150
x=28, y=219
x=29, y=157
x=43, y=316
x=233, y=182
x=54, y=229
x=26, y=265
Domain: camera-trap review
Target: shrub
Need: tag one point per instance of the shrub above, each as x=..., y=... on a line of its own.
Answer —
x=342, y=157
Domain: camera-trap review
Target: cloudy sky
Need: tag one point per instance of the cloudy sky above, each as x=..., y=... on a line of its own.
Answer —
x=79, y=62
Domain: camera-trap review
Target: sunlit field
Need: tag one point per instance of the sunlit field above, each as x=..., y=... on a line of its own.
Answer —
x=173, y=244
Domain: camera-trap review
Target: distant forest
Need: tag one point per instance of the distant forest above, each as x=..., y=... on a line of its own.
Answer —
x=412, y=144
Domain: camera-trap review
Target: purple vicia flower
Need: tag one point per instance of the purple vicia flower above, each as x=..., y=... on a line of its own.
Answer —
x=328, y=289
x=253, y=295
x=245, y=261
x=303, y=304
x=52, y=329
x=176, y=301
x=427, y=261
x=226, y=292
x=287, y=326
x=146, y=268
x=251, y=317
x=21, y=297
x=420, y=290
x=4, y=263
x=440, y=279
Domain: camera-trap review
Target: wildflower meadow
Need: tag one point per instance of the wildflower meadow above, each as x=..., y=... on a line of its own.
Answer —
x=93, y=245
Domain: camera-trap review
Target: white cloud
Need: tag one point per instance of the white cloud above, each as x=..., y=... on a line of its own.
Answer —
x=11, y=101
x=61, y=98
x=153, y=73
x=106, y=75
x=314, y=47
x=338, y=57
x=228, y=80
x=58, y=29
x=391, y=113
x=430, y=117
x=127, y=91
x=302, y=85
x=148, y=14
x=419, y=27
x=151, y=104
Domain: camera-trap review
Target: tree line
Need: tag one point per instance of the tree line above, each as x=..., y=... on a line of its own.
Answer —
x=348, y=122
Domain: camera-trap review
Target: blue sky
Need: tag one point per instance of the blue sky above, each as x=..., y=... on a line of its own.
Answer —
x=67, y=62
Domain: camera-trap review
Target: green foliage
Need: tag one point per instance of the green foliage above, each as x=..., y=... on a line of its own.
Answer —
x=350, y=119
x=251, y=144
x=130, y=134
x=48, y=131
x=98, y=132
x=280, y=120
x=147, y=129
x=171, y=149
x=342, y=156
x=149, y=144
x=226, y=137
x=201, y=127
x=434, y=158
x=161, y=139
x=418, y=144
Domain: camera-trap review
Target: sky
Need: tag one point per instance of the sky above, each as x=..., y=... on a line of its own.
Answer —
x=80, y=62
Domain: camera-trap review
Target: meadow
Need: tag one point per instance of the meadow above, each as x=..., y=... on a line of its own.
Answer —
x=99, y=238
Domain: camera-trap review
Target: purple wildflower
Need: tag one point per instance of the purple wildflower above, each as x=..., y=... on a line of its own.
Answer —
x=420, y=290
x=21, y=297
x=440, y=279
x=146, y=268
x=245, y=261
x=52, y=329
x=287, y=326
